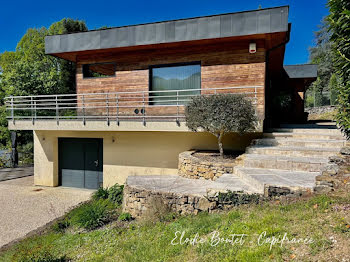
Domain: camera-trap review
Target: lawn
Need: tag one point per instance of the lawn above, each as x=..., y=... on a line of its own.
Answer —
x=321, y=222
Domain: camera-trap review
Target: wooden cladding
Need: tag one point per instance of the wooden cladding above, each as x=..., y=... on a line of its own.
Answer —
x=222, y=65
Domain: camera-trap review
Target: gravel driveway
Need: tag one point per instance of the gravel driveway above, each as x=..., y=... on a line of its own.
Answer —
x=25, y=207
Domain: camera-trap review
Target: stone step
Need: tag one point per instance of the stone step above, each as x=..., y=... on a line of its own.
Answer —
x=261, y=178
x=309, y=164
x=324, y=131
x=299, y=142
x=324, y=125
x=311, y=136
x=293, y=151
x=180, y=185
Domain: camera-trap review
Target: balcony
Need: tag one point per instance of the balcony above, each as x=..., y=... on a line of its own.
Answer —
x=118, y=111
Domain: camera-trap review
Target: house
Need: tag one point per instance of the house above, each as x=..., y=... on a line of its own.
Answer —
x=127, y=116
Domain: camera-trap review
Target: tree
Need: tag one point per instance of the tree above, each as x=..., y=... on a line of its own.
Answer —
x=339, y=21
x=28, y=71
x=333, y=86
x=322, y=54
x=220, y=114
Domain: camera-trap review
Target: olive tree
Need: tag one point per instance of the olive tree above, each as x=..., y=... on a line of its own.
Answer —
x=220, y=114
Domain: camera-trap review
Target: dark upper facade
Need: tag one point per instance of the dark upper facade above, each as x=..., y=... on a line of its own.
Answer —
x=262, y=21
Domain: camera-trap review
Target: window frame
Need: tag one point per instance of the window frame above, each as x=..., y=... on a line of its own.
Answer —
x=99, y=77
x=151, y=67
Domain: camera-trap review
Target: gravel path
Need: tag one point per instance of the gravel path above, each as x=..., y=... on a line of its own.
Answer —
x=25, y=207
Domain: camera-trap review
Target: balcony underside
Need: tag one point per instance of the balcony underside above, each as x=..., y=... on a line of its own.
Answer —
x=98, y=125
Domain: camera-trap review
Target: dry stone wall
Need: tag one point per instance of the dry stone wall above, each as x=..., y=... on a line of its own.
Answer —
x=193, y=167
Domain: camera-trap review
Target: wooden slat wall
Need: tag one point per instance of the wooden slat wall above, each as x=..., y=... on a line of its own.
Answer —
x=223, y=65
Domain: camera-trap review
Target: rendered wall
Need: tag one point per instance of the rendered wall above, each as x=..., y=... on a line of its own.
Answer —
x=128, y=153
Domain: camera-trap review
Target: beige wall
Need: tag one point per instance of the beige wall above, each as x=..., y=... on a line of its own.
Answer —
x=128, y=153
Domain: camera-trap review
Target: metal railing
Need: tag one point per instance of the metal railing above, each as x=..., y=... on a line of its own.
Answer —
x=116, y=106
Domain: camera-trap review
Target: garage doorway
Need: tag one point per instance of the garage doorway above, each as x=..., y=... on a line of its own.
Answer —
x=80, y=162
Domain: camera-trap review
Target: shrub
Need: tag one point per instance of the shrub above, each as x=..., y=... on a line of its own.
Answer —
x=115, y=194
x=220, y=114
x=38, y=255
x=124, y=217
x=339, y=26
x=92, y=215
x=61, y=225
x=101, y=193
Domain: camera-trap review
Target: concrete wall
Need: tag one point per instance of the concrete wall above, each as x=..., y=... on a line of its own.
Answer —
x=128, y=153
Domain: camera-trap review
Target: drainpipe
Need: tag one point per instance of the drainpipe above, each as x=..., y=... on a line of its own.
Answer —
x=267, y=79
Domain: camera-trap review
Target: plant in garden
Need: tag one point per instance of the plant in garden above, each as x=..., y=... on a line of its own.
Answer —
x=115, y=194
x=124, y=217
x=339, y=21
x=101, y=193
x=92, y=215
x=220, y=114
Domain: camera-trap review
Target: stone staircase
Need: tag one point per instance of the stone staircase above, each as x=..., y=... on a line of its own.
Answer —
x=288, y=159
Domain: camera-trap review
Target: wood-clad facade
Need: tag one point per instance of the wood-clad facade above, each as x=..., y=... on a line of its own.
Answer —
x=223, y=65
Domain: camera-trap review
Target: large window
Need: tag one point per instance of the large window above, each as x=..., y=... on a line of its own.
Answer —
x=176, y=77
x=99, y=70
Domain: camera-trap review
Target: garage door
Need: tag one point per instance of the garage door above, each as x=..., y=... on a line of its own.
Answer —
x=80, y=162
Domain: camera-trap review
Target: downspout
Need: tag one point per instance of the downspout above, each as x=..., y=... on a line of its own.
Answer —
x=267, y=79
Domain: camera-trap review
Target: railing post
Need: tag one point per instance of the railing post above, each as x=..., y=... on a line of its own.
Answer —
x=107, y=104
x=83, y=103
x=178, y=109
x=12, y=111
x=117, y=104
x=57, y=112
x=35, y=110
x=32, y=109
x=144, y=109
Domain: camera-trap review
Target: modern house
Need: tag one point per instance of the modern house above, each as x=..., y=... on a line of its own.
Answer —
x=133, y=82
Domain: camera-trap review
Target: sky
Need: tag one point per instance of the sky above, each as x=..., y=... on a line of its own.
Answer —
x=17, y=16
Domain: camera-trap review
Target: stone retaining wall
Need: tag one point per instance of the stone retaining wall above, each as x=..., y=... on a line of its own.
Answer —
x=320, y=110
x=140, y=202
x=193, y=167
x=334, y=175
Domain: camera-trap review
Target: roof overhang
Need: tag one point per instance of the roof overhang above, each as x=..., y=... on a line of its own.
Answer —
x=257, y=22
x=307, y=71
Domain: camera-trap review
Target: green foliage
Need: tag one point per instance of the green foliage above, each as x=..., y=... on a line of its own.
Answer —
x=333, y=87
x=115, y=194
x=38, y=255
x=234, y=198
x=101, y=193
x=339, y=20
x=28, y=71
x=220, y=114
x=125, y=217
x=92, y=214
x=314, y=218
x=5, y=138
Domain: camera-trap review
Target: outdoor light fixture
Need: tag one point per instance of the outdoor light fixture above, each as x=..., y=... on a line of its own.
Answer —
x=252, y=48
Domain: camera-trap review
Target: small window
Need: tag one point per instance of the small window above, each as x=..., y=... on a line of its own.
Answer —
x=99, y=70
x=179, y=80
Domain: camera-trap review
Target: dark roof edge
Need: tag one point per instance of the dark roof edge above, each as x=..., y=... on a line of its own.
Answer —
x=175, y=20
x=301, y=71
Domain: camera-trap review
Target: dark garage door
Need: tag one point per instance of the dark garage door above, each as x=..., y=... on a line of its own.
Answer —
x=80, y=162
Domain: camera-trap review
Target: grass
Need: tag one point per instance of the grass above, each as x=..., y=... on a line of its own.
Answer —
x=144, y=240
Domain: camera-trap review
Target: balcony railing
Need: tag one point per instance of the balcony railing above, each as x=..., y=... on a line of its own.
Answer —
x=117, y=106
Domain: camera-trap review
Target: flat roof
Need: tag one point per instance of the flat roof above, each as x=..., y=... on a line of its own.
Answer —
x=262, y=21
x=301, y=71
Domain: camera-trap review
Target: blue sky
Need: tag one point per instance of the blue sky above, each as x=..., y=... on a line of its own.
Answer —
x=17, y=16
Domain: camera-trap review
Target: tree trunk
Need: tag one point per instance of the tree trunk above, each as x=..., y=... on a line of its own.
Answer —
x=14, y=153
x=221, y=149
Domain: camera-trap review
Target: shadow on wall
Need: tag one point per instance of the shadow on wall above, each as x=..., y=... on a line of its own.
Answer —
x=145, y=149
